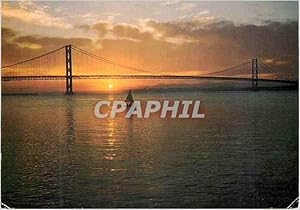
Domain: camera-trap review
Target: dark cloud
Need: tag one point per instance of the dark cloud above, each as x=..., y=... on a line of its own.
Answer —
x=8, y=33
x=101, y=28
x=16, y=47
x=224, y=43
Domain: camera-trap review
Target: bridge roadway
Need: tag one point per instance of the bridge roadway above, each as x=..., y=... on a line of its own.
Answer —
x=157, y=77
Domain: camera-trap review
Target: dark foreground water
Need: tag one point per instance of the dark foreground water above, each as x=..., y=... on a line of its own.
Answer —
x=55, y=153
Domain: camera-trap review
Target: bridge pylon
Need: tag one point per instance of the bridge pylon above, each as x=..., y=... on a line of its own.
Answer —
x=254, y=65
x=69, y=86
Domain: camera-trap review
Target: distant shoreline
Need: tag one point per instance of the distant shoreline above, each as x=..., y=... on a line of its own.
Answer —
x=19, y=94
x=163, y=90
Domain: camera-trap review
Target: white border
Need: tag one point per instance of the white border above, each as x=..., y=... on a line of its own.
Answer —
x=161, y=1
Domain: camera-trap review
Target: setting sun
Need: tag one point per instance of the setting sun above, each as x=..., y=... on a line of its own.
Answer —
x=110, y=86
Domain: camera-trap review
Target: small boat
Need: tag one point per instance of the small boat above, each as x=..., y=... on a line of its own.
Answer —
x=129, y=99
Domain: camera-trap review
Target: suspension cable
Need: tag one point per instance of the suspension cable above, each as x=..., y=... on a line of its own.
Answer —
x=31, y=59
x=229, y=69
x=109, y=61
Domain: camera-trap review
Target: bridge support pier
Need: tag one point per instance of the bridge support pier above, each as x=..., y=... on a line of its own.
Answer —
x=254, y=65
x=69, y=86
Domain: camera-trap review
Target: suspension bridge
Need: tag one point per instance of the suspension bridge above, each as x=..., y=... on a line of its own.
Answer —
x=70, y=62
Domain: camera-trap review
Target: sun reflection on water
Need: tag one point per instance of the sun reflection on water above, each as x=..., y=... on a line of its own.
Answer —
x=111, y=140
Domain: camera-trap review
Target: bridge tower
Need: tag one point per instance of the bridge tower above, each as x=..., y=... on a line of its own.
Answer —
x=69, y=86
x=254, y=65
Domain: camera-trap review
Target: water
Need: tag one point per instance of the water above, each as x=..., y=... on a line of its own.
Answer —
x=244, y=153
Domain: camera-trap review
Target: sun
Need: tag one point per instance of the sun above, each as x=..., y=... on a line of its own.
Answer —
x=110, y=86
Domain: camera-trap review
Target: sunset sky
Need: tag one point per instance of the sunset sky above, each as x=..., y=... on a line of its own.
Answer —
x=164, y=36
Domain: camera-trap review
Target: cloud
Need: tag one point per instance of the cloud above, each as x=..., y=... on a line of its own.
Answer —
x=31, y=13
x=16, y=47
x=85, y=27
x=179, y=5
x=60, y=9
x=107, y=30
x=160, y=31
x=204, y=20
x=87, y=15
x=111, y=16
x=29, y=45
x=174, y=46
x=204, y=12
x=102, y=27
x=94, y=17
x=170, y=2
x=8, y=34
x=200, y=17
x=130, y=31
x=186, y=6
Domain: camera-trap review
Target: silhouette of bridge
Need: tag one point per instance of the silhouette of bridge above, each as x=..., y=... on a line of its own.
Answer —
x=70, y=62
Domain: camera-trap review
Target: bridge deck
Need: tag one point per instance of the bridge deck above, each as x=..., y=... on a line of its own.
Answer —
x=171, y=77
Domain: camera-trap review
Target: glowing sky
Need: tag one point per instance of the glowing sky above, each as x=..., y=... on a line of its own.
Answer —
x=164, y=36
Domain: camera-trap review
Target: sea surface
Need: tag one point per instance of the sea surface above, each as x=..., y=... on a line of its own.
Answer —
x=244, y=153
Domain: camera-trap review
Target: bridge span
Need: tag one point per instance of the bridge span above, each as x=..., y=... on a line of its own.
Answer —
x=44, y=67
x=156, y=77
